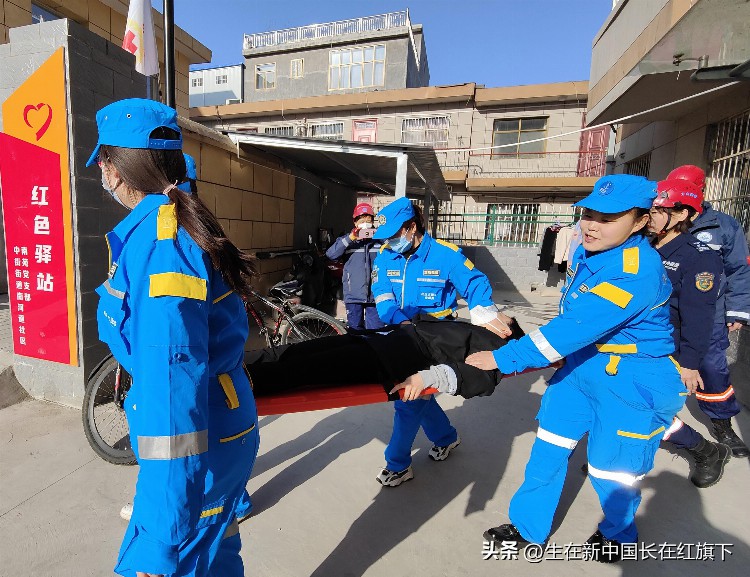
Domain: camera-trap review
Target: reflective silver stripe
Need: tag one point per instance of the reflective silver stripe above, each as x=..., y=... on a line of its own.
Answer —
x=673, y=428
x=232, y=529
x=544, y=347
x=385, y=297
x=346, y=241
x=113, y=291
x=552, y=438
x=397, y=280
x=432, y=280
x=738, y=314
x=624, y=478
x=714, y=246
x=174, y=447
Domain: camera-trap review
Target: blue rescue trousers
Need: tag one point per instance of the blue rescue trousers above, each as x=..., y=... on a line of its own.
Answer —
x=625, y=415
x=717, y=399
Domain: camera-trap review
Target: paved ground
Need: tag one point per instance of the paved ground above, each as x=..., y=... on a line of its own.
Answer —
x=319, y=511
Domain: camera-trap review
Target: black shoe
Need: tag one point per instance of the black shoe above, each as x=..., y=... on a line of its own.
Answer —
x=604, y=550
x=507, y=532
x=710, y=459
x=725, y=434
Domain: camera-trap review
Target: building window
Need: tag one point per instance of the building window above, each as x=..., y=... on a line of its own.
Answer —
x=514, y=134
x=196, y=82
x=39, y=15
x=332, y=131
x=356, y=67
x=639, y=166
x=279, y=130
x=265, y=76
x=428, y=131
x=221, y=79
x=297, y=68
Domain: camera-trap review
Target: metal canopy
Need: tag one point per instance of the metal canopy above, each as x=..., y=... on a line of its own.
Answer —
x=363, y=166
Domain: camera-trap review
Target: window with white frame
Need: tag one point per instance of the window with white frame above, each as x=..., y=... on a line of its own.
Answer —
x=196, y=82
x=279, y=130
x=358, y=67
x=265, y=76
x=328, y=131
x=427, y=130
x=221, y=79
x=297, y=68
x=514, y=134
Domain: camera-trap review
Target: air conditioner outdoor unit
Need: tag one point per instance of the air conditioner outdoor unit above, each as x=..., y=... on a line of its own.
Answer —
x=234, y=101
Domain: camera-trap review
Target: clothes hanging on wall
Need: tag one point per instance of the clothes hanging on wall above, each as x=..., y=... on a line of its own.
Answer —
x=547, y=252
x=562, y=244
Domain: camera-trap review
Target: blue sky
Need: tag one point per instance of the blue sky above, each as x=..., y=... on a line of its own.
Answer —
x=490, y=42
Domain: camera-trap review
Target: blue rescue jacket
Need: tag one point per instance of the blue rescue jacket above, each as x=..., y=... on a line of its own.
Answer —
x=174, y=324
x=358, y=257
x=427, y=281
x=616, y=301
x=695, y=272
x=724, y=234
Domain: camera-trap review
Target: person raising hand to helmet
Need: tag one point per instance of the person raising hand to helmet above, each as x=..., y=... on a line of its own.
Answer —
x=358, y=251
x=695, y=273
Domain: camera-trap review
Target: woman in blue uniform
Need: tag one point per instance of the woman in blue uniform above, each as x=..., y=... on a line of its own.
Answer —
x=413, y=274
x=171, y=312
x=618, y=383
x=695, y=273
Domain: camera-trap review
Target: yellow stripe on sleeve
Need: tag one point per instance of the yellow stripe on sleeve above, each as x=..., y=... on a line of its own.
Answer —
x=468, y=264
x=630, y=260
x=639, y=435
x=166, y=222
x=613, y=294
x=231, y=393
x=175, y=284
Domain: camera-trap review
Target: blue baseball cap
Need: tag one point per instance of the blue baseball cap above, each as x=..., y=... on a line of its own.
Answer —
x=620, y=192
x=392, y=216
x=128, y=123
x=191, y=173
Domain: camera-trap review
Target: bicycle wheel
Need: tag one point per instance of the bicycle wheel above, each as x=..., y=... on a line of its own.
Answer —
x=309, y=325
x=104, y=420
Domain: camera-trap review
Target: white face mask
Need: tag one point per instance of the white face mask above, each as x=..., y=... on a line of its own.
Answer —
x=113, y=194
x=365, y=225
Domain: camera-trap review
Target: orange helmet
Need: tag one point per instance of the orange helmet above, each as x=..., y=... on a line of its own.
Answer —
x=690, y=173
x=678, y=193
x=363, y=208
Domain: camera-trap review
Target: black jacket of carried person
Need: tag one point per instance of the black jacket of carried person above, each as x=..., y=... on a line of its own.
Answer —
x=386, y=356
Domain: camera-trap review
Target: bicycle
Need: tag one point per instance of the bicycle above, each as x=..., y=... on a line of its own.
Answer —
x=103, y=415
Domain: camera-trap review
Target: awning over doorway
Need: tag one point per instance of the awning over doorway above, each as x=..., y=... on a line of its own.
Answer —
x=392, y=169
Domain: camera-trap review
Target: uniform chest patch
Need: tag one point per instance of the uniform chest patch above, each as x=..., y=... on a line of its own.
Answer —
x=431, y=272
x=704, y=236
x=704, y=281
x=583, y=288
x=393, y=273
x=671, y=265
x=112, y=270
x=428, y=296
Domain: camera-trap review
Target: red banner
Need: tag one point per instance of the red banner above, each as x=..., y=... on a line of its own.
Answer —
x=35, y=249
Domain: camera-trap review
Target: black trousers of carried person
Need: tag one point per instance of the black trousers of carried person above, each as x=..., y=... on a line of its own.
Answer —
x=386, y=356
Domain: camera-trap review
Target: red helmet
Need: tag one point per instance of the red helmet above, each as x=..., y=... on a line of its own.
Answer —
x=670, y=193
x=690, y=173
x=363, y=208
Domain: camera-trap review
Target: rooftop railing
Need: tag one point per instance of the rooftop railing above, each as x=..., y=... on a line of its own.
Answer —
x=327, y=30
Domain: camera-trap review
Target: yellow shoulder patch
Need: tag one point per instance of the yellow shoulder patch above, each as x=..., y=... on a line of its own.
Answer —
x=468, y=264
x=175, y=284
x=383, y=247
x=630, y=260
x=613, y=294
x=450, y=245
x=166, y=222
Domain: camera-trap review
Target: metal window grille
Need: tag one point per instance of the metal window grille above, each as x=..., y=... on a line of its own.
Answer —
x=331, y=131
x=279, y=130
x=265, y=76
x=517, y=132
x=358, y=67
x=639, y=166
x=428, y=131
x=297, y=68
x=728, y=182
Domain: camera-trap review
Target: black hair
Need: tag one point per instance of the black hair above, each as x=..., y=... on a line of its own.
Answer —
x=151, y=170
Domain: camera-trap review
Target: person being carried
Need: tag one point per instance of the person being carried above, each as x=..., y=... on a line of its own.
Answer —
x=358, y=250
x=618, y=383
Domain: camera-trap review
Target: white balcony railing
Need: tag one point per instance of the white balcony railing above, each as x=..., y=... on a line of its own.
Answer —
x=327, y=30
